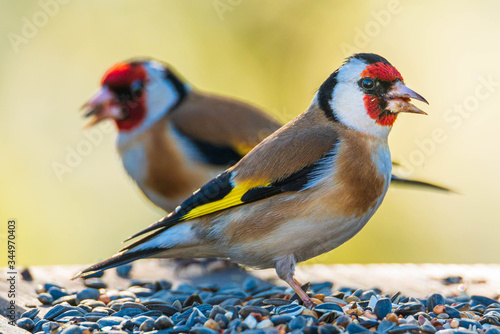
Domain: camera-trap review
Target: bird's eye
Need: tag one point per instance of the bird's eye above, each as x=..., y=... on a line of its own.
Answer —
x=137, y=88
x=367, y=83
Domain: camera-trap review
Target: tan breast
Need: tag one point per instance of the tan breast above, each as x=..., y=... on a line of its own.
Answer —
x=359, y=183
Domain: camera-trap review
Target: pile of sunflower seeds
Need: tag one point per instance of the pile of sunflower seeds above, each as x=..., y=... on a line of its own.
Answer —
x=253, y=307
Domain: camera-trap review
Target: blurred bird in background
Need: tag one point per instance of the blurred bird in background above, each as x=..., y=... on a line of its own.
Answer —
x=172, y=138
x=305, y=190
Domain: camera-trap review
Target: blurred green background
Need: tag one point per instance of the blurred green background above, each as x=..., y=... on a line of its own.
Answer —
x=274, y=54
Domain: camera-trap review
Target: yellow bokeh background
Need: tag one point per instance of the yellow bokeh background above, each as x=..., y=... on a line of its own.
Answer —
x=274, y=54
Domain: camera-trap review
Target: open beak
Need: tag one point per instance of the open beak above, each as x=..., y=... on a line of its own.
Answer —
x=101, y=106
x=398, y=99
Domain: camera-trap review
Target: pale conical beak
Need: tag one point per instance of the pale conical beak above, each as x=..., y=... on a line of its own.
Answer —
x=398, y=99
x=101, y=106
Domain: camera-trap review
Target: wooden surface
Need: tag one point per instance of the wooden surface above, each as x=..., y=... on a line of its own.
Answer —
x=5, y=328
x=412, y=280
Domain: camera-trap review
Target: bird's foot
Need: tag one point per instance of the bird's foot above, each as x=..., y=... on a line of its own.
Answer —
x=299, y=290
x=308, y=303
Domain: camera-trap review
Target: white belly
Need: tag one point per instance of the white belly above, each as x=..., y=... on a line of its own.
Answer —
x=305, y=237
x=329, y=234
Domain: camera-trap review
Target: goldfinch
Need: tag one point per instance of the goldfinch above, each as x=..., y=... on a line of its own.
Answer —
x=305, y=190
x=172, y=139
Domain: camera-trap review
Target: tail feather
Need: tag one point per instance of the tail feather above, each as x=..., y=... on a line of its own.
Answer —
x=164, y=223
x=118, y=259
x=142, y=240
x=148, y=246
x=414, y=183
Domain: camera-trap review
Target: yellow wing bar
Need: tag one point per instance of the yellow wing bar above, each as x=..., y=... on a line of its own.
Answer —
x=230, y=200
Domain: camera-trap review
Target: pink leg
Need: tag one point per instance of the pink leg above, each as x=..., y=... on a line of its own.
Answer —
x=285, y=268
x=297, y=287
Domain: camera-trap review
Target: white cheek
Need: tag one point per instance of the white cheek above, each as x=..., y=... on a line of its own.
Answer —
x=161, y=95
x=348, y=104
x=349, y=107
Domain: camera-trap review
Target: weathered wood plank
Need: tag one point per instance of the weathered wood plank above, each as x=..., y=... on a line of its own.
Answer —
x=411, y=279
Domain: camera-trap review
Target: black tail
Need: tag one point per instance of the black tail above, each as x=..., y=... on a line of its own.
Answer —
x=413, y=183
x=118, y=260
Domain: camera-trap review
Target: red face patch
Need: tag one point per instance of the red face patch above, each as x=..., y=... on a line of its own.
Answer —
x=382, y=71
x=122, y=76
x=372, y=105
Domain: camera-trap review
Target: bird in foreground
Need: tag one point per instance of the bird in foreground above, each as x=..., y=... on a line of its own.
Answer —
x=172, y=138
x=305, y=190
